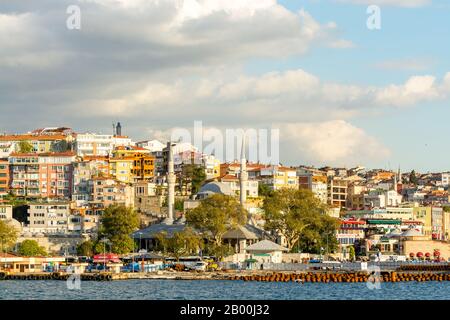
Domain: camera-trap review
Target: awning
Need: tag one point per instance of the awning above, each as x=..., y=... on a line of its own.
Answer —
x=110, y=257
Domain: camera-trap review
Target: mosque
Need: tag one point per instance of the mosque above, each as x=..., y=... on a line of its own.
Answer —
x=238, y=238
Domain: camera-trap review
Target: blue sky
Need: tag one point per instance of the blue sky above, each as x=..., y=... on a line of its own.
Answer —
x=339, y=93
x=417, y=136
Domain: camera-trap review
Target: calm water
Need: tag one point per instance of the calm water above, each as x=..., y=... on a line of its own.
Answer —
x=212, y=289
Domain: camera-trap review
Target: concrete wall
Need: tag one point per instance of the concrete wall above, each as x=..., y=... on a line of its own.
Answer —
x=425, y=246
x=57, y=244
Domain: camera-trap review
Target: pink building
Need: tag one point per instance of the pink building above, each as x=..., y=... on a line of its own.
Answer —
x=45, y=175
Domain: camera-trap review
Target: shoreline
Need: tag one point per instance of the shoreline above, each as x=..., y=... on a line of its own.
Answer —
x=247, y=275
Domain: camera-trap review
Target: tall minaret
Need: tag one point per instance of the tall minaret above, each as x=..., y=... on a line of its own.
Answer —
x=395, y=182
x=171, y=186
x=243, y=177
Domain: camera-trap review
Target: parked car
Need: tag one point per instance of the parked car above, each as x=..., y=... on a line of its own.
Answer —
x=199, y=266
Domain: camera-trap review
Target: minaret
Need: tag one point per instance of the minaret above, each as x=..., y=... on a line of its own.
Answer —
x=243, y=177
x=171, y=187
x=395, y=182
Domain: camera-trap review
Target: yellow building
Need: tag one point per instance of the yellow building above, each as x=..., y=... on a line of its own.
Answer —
x=279, y=177
x=121, y=169
x=423, y=214
x=142, y=163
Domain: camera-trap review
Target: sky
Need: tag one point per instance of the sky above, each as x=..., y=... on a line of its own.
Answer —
x=339, y=93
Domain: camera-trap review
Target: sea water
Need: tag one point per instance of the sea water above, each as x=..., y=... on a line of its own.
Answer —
x=220, y=289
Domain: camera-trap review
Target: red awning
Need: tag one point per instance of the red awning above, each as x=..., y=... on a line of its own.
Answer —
x=109, y=257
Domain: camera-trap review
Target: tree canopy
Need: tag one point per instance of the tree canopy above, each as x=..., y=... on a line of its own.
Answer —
x=184, y=242
x=31, y=248
x=117, y=224
x=86, y=248
x=8, y=235
x=25, y=147
x=296, y=213
x=195, y=175
x=216, y=215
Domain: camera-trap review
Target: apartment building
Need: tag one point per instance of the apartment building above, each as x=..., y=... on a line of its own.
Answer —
x=251, y=186
x=142, y=164
x=337, y=191
x=49, y=218
x=212, y=167
x=93, y=144
x=355, y=196
x=45, y=175
x=279, y=177
x=6, y=212
x=315, y=183
x=381, y=198
x=108, y=191
x=83, y=171
x=42, y=140
x=4, y=177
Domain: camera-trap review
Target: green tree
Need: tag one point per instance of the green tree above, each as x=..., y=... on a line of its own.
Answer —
x=86, y=248
x=218, y=251
x=195, y=175
x=216, y=215
x=413, y=177
x=25, y=147
x=351, y=253
x=264, y=190
x=178, y=205
x=31, y=248
x=8, y=235
x=294, y=213
x=11, y=199
x=117, y=224
x=184, y=242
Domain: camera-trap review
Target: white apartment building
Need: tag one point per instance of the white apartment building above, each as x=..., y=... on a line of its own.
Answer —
x=445, y=178
x=151, y=145
x=6, y=212
x=251, y=186
x=92, y=144
x=382, y=199
x=49, y=218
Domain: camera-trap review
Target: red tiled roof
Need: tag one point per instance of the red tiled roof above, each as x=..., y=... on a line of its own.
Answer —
x=25, y=137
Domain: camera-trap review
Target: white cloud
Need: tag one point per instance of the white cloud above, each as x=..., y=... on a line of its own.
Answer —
x=397, y=3
x=332, y=142
x=416, y=89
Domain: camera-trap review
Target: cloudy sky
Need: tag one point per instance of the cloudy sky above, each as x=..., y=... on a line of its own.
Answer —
x=340, y=93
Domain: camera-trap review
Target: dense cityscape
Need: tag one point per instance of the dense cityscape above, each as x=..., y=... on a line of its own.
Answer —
x=56, y=186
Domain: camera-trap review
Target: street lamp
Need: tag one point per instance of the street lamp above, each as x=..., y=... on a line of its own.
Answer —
x=104, y=240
